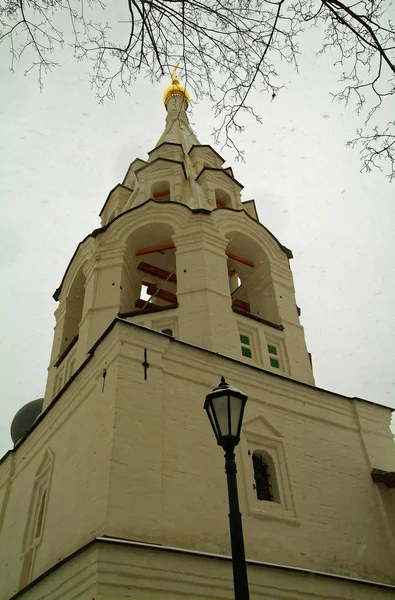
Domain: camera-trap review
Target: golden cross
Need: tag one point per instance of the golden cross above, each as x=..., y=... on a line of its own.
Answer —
x=174, y=77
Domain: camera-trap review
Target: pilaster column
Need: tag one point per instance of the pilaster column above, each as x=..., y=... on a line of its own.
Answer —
x=205, y=312
x=102, y=296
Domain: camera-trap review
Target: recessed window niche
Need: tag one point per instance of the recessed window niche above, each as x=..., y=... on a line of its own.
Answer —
x=161, y=191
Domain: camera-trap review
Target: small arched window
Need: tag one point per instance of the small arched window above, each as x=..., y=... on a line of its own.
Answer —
x=265, y=477
x=161, y=191
x=222, y=199
x=36, y=517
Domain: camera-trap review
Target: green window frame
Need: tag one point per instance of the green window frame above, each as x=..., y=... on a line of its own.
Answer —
x=245, y=345
x=273, y=356
x=246, y=352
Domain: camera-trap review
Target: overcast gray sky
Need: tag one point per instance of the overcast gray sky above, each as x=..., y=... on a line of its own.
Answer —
x=62, y=153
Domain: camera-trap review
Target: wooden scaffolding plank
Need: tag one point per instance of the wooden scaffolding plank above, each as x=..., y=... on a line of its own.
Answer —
x=154, y=249
x=159, y=194
x=157, y=293
x=141, y=303
x=165, y=295
x=245, y=261
x=157, y=272
x=242, y=305
x=151, y=287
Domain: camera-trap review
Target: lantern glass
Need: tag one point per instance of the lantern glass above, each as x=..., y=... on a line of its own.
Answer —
x=220, y=410
x=236, y=415
x=211, y=415
x=225, y=408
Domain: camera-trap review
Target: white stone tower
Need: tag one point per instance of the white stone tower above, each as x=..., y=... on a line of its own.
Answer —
x=117, y=489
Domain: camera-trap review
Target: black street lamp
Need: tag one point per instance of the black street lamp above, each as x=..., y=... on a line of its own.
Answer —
x=225, y=409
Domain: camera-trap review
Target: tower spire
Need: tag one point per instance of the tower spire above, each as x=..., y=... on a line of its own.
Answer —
x=178, y=129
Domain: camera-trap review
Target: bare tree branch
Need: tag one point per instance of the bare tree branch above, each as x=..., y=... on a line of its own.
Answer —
x=228, y=49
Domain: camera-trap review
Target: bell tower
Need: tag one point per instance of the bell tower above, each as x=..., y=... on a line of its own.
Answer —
x=114, y=487
x=181, y=253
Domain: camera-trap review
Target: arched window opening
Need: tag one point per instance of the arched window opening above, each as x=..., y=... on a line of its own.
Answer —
x=222, y=199
x=149, y=280
x=35, y=523
x=250, y=280
x=74, y=307
x=265, y=485
x=158, y=287
x=161, y=191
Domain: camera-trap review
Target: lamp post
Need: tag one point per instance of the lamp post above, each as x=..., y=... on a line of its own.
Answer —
x=225, y=408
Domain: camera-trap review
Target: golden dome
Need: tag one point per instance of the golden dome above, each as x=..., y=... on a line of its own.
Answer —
x=176, y=89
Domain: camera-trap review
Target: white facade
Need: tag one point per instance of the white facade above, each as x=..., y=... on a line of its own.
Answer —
x=118, y=490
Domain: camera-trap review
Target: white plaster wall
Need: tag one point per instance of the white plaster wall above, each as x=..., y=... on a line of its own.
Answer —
x=107, y=571
x=136, y=459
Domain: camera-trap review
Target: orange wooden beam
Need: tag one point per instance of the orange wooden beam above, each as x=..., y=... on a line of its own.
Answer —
x=241, y=304
x=151, y=287
x=245, y=261
x=158, y=293
x=165, y=295
x=157, y=272
x=154, y=249
x=141, y=303
x=159, y=194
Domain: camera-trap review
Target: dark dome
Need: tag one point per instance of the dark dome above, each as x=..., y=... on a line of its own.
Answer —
x=24, y=419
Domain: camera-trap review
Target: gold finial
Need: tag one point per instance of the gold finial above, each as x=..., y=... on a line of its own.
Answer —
x=174, y=77
x=175, y=89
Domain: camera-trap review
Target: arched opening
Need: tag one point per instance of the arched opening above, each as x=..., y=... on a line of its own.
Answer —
x=265, y=485
x=222, y=199
x=74, y=307
x=250, y=279
x=149, y=277
x=161, y=191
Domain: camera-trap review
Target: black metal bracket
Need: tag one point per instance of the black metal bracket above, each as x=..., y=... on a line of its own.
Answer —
x=145, y=364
